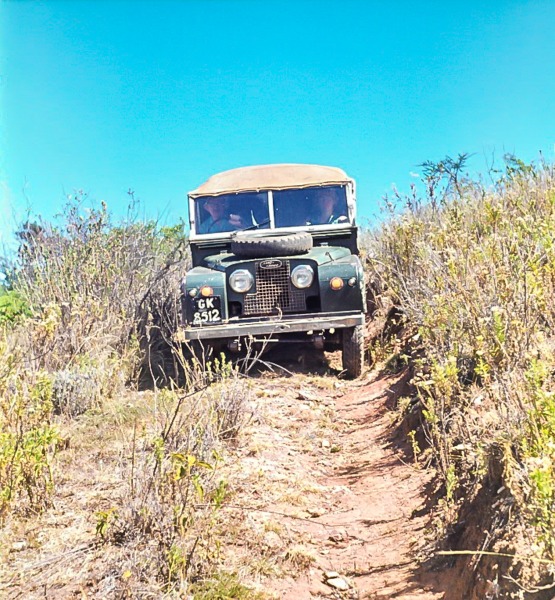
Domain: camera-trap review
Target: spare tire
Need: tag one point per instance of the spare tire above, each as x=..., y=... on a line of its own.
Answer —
x=258, y=245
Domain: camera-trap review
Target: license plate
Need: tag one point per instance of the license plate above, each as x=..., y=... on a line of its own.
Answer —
x=206, y=310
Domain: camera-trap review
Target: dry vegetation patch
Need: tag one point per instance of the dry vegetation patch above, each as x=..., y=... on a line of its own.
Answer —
x=470, y=271
x=169, y=493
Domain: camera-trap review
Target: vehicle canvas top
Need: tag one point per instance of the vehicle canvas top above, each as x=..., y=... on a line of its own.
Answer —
x=271, y=177
x=271, y=198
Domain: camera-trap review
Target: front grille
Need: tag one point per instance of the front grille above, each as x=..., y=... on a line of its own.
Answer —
x=274, y=292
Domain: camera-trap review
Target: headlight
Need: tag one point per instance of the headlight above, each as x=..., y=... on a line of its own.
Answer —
x=302, y=276
x=241, y=281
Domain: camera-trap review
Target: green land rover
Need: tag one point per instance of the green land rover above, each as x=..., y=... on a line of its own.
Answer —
x=275, y=259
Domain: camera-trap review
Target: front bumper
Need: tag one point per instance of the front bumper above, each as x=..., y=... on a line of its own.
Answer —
x=270, y=326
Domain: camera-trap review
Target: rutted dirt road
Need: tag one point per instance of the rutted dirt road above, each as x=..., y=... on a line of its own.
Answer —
x=324, y=501
x=353, y=494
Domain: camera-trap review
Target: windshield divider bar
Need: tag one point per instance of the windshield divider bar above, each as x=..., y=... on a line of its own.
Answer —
x=271, y=209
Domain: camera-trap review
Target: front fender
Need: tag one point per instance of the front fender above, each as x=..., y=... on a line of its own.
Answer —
x=194, y=280
x=348, y=297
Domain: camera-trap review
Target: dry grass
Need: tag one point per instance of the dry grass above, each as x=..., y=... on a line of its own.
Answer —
x=135, y=479
x=78, y=324
x=136, y=514
x=468, y=276
x=139, y=489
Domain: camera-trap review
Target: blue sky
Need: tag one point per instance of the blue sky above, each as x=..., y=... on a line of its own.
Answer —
x=106, y=96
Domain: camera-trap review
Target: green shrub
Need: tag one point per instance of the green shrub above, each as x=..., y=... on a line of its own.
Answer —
x=27, y=437
x=12, y=307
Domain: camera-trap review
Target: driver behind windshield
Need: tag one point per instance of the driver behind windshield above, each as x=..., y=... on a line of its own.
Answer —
x=219, y=218
x=325, y=209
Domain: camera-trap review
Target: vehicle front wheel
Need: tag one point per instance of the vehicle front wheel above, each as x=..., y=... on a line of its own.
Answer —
x=353, y=350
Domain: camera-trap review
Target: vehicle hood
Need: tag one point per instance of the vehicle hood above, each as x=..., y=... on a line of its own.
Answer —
x=320, y=254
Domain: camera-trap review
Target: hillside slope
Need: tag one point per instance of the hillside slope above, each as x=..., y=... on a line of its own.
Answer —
x=471, y=272
x=214, y=484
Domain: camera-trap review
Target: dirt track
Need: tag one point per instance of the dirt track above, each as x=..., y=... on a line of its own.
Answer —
x=358, y=518
x=319, y=484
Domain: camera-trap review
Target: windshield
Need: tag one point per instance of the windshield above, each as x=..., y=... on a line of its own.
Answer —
x=310, y=206
x=250, y=210
x=229, y=212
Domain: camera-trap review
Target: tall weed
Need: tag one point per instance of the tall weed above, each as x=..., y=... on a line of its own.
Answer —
x=175, y=489
x=96, y=285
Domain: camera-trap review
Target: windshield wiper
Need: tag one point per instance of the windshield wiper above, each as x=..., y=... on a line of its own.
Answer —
x=251, y=227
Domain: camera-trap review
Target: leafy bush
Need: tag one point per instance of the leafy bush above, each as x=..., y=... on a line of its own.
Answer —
x=27, y=437
x=12, y=307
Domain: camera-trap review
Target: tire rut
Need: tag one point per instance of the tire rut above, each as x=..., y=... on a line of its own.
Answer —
x=364, y=526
